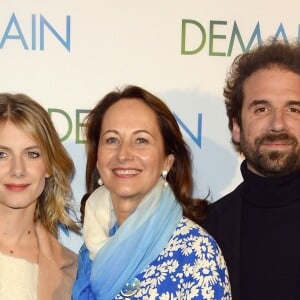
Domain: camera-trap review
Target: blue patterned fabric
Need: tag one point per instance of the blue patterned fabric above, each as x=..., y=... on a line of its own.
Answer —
x=190, y=267
x=140, y=239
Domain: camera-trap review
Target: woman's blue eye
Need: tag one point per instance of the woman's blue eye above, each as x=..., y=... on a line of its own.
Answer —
x=33, y=154
x=2, y=154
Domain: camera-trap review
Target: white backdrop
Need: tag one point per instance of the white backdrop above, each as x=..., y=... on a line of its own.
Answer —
x=68, y=54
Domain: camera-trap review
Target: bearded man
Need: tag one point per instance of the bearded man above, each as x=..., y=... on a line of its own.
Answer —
x=257, y=225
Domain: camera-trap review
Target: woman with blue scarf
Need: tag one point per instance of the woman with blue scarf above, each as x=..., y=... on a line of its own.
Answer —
x=141, y=232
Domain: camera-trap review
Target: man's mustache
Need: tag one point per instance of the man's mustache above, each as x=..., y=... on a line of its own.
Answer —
x=274, y=137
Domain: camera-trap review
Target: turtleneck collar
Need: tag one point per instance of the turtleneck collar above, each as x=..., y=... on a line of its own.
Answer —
x=270, y=192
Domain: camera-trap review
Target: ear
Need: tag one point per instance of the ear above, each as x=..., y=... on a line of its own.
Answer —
x=236, y=131
x=169, y=162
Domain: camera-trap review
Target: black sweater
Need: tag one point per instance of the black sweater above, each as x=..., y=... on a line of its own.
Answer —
x=257, y=227
x=270, y=237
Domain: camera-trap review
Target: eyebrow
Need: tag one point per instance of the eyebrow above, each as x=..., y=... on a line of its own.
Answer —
x=135, y=132
x=110, y=131
x=142, y=131
x=27, y=148
x=258, y=102
x=294, y=102
x=261, y=102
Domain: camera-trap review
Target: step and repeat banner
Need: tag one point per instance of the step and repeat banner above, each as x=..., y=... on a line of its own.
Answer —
x=68, y=54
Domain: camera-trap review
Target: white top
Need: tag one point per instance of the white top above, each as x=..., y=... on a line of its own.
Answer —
x=18, y=278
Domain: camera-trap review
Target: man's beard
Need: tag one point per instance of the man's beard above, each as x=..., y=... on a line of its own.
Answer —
x=272, y=163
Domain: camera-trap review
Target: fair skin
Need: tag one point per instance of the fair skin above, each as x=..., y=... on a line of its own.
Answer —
x=131, y=154
x=270, y=133
x=22, y=180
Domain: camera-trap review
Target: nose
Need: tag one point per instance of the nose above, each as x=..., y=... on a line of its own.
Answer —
x=125, y=151
x=17, y=169
x=278, y=122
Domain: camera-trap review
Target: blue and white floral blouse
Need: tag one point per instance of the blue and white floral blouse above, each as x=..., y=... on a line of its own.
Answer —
x=190, y=267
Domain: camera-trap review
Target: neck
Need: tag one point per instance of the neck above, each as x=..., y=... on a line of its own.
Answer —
x=123, y=208
x=17, y=235
x=15, y=223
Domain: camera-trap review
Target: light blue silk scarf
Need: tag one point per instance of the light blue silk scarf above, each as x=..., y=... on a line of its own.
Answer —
x=136, y=243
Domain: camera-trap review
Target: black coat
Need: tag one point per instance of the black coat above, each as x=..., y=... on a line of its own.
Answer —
x=224, y=224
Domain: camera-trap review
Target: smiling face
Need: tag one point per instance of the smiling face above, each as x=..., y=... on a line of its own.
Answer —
x=270, y=117
x=22, y=169
x=131, y=154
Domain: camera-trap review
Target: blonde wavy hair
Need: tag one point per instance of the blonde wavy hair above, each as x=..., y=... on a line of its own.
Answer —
x=54, y=204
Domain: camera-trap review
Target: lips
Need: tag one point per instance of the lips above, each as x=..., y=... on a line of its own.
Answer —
x=277, y=143
x=16, y=187
x=120, y=172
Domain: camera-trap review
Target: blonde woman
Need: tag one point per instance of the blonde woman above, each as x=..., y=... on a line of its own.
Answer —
x=35, y=174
